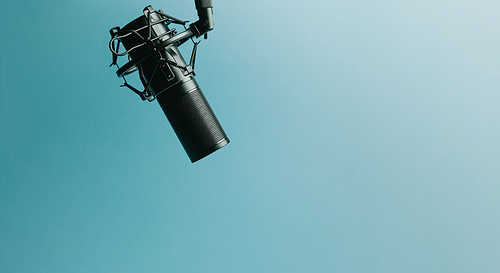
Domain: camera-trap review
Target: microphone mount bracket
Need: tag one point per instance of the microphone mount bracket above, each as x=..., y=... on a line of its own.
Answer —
x=153, y=45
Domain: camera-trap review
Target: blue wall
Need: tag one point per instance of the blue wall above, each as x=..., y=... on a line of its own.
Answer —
x=364, y=138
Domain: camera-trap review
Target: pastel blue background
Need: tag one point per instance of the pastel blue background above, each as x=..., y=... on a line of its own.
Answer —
x=364, y=138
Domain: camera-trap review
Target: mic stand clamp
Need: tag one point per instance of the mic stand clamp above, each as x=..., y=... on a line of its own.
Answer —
x=154, y=45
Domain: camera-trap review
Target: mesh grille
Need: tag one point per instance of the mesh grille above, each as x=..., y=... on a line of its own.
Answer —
x=194, y=122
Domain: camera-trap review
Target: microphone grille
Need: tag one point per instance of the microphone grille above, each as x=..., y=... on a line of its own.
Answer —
x=195, y=124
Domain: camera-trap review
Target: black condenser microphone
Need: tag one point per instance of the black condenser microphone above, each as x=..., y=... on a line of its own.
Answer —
x=152, y=49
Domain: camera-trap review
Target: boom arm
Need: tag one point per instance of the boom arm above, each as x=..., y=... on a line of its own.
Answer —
x=206, y=21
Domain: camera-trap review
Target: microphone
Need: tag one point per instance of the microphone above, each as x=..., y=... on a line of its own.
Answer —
x=152, y=49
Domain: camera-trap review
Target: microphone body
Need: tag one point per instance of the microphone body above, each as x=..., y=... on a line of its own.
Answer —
x=168, y=78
